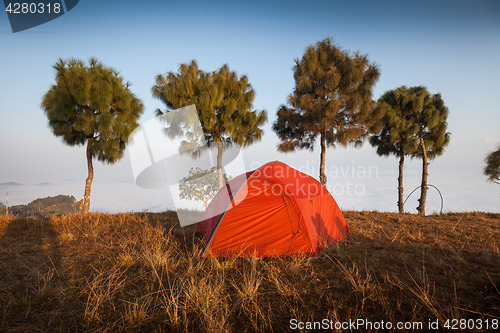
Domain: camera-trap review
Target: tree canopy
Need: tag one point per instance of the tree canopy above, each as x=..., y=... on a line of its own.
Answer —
x=411, y=114
x=396, y=133
x=492, y=168
x=91, y=101
x=224, y=102
x=332, y=100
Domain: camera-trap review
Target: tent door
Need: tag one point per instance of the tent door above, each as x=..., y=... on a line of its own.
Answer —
x=293, y=218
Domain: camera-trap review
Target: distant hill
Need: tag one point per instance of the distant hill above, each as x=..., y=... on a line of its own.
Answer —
x=61, y=204
x=10, y=184
x=2, y=206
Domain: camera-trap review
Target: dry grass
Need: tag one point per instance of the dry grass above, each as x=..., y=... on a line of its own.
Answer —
x=142, y=272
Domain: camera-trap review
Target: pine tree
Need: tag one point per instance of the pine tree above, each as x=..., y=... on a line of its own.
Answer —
x=90, y=104
x=224, y=102
x=492, y=168
x=396, y=133
x=414, y=125
x=332, y=101
x=432, y=136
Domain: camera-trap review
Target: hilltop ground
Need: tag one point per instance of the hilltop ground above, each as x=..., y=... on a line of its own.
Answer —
x=143, y=272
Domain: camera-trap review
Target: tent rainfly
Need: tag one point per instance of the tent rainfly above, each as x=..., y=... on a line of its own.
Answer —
x=273, y=211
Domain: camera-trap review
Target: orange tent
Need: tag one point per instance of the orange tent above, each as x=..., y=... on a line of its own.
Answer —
x=272, y=211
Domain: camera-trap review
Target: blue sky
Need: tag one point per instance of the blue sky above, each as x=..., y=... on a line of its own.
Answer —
x=451, y=47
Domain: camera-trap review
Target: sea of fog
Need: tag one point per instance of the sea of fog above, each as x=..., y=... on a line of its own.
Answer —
x=354, y=187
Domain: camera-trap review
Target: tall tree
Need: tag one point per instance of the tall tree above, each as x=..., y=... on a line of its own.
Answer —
x=432, y=135
x=396, y=133
x=224, y=102
x=414, y=125
x=492, y=168
x=90, y=104
x=332, y=101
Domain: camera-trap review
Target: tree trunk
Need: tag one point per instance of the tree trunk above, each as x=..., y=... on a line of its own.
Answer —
x=423, y=186
x=219, y=164
x=88, y=183
x=322, y=176
x=400, y=184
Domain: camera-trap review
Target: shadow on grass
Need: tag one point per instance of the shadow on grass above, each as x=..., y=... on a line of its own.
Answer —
x=32, y=279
